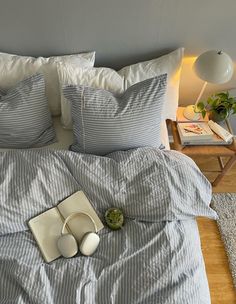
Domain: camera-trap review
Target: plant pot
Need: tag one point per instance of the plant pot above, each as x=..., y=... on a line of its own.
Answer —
x=217, y=117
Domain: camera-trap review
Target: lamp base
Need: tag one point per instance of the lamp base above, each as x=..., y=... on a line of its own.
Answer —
x=190, y=114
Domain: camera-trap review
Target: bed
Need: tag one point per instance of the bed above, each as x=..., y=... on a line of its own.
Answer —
x=156, y=256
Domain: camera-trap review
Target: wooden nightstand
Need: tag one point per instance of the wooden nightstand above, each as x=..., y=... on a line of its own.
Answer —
x=205, y=151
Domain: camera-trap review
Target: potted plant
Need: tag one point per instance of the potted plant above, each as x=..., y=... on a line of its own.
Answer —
x=219, y=106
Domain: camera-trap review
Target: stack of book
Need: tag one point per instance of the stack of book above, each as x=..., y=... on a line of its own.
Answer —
x=198, y=132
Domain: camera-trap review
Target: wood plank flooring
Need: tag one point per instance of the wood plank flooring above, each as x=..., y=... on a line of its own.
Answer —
x=218, y=273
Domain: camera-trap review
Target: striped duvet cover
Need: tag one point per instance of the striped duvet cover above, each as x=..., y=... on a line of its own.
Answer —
x=155, y=258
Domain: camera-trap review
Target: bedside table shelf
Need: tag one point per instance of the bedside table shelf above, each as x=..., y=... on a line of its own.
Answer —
x=204, y=150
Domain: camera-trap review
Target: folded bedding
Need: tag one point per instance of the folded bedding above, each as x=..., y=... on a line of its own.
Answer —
x=154, y=258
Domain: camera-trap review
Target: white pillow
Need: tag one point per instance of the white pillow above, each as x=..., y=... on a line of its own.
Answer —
x=113, y=81
x=14, y=68
x=104, y=78
x=170, y=64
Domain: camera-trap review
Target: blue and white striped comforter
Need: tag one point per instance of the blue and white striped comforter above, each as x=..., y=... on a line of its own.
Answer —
x=155, y=258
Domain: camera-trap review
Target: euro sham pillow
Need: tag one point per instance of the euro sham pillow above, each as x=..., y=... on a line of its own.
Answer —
x=101, y=78
x=14, y=68
x=108, y=79
x=104, y=122
x=170, y=64
x=25, y=120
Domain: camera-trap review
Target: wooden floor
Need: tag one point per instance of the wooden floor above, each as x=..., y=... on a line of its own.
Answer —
x=218, y=273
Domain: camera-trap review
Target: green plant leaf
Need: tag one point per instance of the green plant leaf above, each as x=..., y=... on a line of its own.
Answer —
x=210, y=100
x=231, y=100
x=223, y=95
x=200, y=106
x=215, y=103
x=221, y=103
x=234, y=108
x=203, y=113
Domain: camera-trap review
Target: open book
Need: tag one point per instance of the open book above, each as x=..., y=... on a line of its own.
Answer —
x=47, y=226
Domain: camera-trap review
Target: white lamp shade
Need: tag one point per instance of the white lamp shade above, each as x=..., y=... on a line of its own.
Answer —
x=214, y=67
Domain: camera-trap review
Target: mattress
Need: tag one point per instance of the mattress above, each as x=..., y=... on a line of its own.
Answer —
x=65, y=137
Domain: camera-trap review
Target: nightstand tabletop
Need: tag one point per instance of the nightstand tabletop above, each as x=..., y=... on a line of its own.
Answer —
x=204, y=150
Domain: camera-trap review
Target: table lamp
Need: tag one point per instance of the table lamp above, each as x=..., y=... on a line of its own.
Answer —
x=214, y=67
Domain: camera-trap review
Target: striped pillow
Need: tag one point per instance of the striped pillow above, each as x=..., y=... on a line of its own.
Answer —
x=104, y=122
x=25, y=120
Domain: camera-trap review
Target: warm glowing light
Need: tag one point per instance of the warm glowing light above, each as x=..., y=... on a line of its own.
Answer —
x=189, y=59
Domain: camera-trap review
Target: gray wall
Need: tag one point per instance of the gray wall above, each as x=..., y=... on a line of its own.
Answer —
x=121, y=31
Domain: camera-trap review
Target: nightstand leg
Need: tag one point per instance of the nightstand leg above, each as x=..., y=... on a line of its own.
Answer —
x=221, y=163
x=225, y=169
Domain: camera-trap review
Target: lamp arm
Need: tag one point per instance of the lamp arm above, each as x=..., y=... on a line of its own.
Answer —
x=200, y=95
